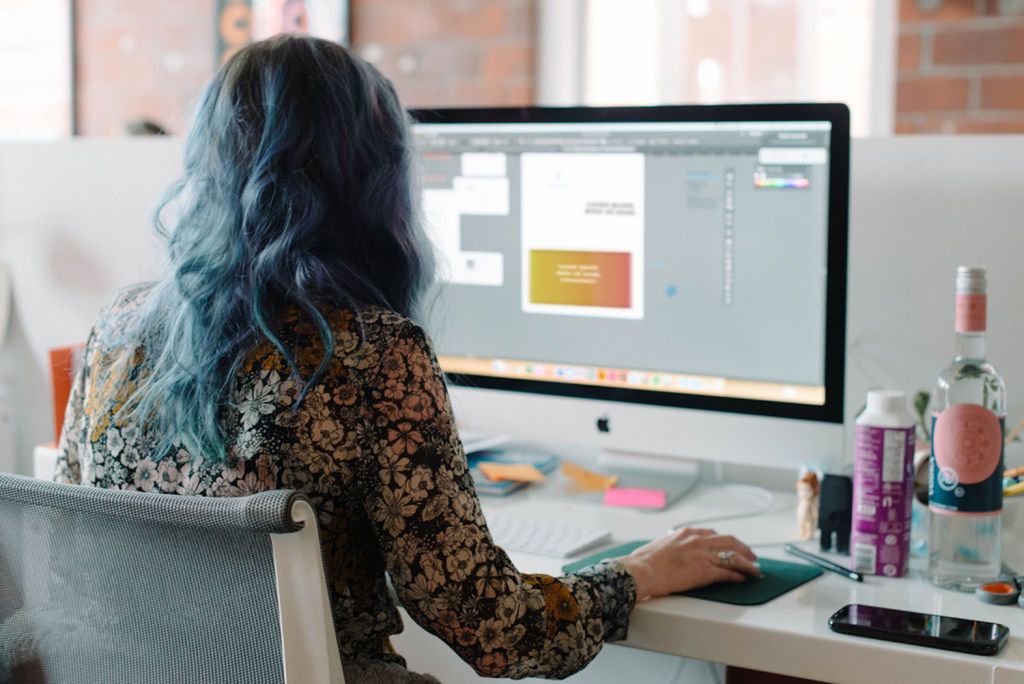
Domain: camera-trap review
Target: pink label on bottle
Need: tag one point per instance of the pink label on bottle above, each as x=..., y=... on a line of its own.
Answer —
x=968, y=440
x=967, y=461
x=971, y=312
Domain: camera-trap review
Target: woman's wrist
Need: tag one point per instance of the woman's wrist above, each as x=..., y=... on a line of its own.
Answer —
x=643, y=576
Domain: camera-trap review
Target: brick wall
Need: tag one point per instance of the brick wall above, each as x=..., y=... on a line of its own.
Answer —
x=960, y=66
x=451, y=52
x=150, y=60
x=960, y=69
x=140, y=60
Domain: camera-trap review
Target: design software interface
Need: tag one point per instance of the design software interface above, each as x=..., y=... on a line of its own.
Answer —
x=670, y=257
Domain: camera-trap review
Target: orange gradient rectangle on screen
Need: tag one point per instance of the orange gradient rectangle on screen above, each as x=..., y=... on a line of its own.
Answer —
x=575, y=278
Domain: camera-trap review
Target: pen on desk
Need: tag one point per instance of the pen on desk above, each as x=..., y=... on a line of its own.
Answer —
x=823, y=563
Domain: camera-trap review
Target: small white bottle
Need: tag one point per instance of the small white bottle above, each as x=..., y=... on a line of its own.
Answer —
x=883, y=485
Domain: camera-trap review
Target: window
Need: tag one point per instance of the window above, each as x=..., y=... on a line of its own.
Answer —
x=701, y=51
x=35, y=69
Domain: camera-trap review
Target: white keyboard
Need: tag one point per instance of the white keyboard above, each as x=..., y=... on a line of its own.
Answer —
x=543, y=537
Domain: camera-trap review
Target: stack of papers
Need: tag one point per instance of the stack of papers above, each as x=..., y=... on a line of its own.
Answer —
x=498, y=472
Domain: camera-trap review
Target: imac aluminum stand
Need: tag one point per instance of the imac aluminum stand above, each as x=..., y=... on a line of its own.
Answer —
x=676, y=476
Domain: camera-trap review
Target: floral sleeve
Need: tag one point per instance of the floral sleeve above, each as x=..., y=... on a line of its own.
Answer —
x=68, y=468
x=448, y=573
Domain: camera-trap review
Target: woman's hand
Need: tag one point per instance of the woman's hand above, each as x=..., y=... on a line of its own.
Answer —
x=687, y=559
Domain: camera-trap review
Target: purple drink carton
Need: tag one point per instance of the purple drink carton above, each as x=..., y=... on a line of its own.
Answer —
x=883, y=485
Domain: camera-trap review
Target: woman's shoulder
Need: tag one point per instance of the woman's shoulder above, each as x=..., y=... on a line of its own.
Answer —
x=387, y=324
x=120, y=309
x=364, y=339
x=374, y=327
x=127, y=299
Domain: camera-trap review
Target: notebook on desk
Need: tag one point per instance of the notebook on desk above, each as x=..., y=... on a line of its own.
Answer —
x=545, y=462
x=779, y=578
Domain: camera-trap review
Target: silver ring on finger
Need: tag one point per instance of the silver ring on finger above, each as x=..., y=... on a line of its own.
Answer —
x=724, y=558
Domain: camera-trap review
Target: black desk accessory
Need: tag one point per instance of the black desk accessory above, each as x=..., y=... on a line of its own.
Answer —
x=835, y=513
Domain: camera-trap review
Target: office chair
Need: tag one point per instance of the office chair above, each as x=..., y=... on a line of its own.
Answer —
x=114, y=586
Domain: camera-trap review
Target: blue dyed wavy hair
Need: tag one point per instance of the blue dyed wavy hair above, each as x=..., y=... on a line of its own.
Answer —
x=297, y=192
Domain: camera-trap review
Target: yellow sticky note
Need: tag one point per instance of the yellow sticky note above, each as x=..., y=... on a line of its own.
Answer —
x=1013, y=490
x=519, y=472
x=588, y=480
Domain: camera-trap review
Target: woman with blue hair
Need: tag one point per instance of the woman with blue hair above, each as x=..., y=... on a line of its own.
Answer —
x=280, y=350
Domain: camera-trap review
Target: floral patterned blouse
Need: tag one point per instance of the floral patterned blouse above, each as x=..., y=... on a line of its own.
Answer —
x=375, y=448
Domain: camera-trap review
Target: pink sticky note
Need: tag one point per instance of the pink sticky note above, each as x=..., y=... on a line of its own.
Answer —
x=635, y=497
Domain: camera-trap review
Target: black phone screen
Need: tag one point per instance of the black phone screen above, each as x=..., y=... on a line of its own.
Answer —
x=923, y=629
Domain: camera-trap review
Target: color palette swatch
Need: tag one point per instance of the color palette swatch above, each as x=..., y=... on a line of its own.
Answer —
x=770, y=182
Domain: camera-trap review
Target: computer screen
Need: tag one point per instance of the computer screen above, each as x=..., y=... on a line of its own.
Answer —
x=681, y=262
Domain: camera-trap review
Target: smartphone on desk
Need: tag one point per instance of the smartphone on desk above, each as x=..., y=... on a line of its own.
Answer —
x=920, y=629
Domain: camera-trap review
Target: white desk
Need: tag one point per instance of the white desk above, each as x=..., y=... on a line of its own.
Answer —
x=790, y=634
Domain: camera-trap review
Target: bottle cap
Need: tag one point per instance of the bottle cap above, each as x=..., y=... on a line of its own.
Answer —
x=998, y=593
x=971, y=280
x=887, y=401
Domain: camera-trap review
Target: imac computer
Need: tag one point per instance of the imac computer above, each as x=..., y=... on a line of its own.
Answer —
x=663, y=282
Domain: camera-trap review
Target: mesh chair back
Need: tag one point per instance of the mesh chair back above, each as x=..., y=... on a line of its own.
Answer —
x=110, y=586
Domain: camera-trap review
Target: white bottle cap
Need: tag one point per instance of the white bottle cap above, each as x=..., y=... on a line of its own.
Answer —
x=887, y=401
x=971, y=280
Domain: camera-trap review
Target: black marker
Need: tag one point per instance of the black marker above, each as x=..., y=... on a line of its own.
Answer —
x=823, y=563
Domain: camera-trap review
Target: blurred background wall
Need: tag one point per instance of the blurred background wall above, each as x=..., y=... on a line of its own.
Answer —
x=904, y=66
x=149, y=60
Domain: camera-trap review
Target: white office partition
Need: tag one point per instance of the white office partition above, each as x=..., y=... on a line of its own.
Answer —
x=75, y=224
x=920, y=207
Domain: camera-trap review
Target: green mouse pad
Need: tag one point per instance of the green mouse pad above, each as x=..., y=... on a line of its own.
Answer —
x=779, y=577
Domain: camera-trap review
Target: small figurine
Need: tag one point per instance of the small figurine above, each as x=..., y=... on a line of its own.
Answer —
x=807, y=504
